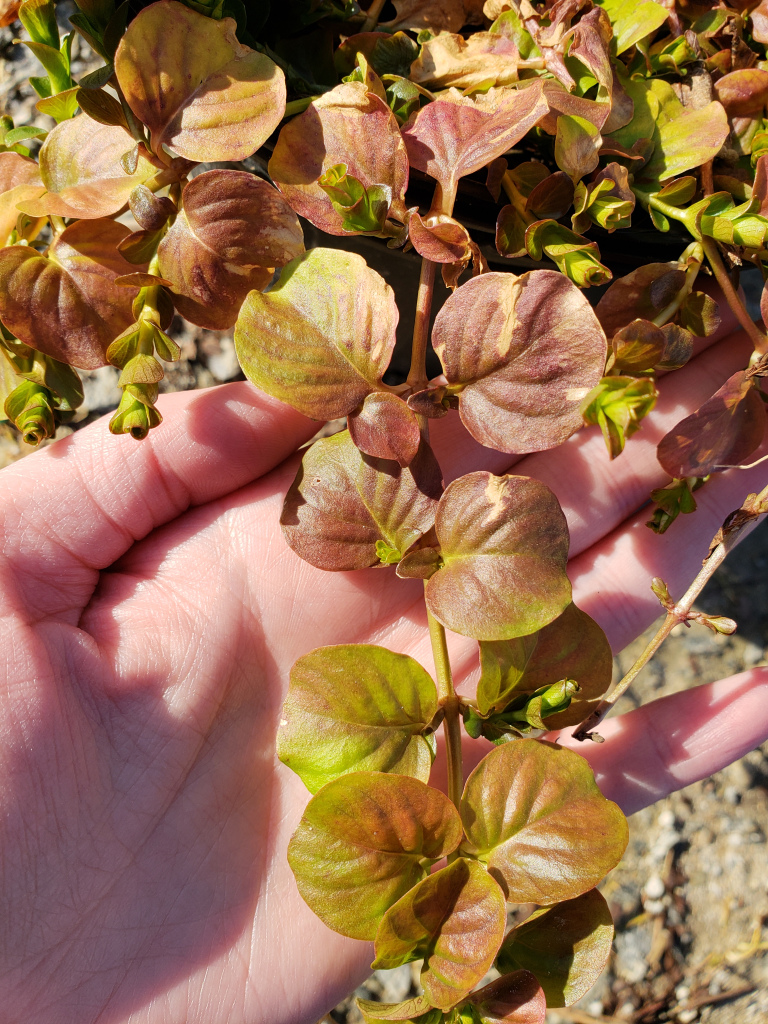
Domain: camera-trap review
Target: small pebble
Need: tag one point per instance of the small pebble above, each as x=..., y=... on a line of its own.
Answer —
x=595, y=1008
x=687, y=1016
x=654, y=906
x=654, y=887
x=732, y=795
x=735, y=839
x=681, y=993
x=666, y=819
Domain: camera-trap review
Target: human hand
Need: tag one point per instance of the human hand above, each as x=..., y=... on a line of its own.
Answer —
x=151, y=615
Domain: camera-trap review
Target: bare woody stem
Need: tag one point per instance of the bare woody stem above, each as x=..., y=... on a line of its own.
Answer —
x=757, y=337
x=449, y=702
x=680, y=612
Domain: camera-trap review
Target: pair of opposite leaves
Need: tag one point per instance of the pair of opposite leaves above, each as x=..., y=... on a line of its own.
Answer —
x=362, y=852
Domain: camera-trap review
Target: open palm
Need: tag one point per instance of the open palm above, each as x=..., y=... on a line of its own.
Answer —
x=151, y=613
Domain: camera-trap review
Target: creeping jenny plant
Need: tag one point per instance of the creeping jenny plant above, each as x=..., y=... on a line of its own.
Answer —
x=591, y=120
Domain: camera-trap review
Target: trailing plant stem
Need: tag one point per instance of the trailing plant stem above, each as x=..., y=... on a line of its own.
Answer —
x=417, y=375
x=450, y=704
x=374, y=13
x=680, y=612
x=721, y=274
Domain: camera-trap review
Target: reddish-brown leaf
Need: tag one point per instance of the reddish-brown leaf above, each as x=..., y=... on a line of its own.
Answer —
x=512, y=999
x=441, y=15
x=527, y=349
x=743, y=93
x=456, y=135
x=386, y=428
x=642, y=294
x=723, y=432
x=198, y=90
x=67, y=304
x=533, y=813
x=344, y=507
x=504, y=545
x=440, y=239
x=348, y=125
x=454, y=919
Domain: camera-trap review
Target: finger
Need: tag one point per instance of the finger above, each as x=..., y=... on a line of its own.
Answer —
x=677, y=740
x=76, y=506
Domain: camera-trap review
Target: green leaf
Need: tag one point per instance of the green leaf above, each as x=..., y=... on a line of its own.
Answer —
x=504, y=545
x=410, y=1011
x=361, y=843
x=101, y=106
x=551, y=835
x=60, y=107
x=684, y=138
x=673, y=500
x=24, y=132
x=526, y=350
x=618, y=405
x=196, y=88
x=39, y=19
x=565, y=946
x=573, y=646
x=404, y=99
x=454, y=920
x=512, y=999
x=322, y=337
x=30, y=409
x=576, y=256
x=360, y=208
x=699, y=313
x=356, y=707
x=637, y=347
x=633, y=21
x=342, y=503
x=55, y=63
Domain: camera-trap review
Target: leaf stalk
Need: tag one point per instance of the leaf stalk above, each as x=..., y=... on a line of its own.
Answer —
x=449, y=701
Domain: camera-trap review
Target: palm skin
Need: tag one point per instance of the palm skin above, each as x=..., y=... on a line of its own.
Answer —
x=151, y=614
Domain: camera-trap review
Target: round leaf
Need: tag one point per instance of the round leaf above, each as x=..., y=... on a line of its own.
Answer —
x=356, y=707
x=81, y=170
x=455, y=920
x=455, y=135
x=533, y=813
x=67, y=304
x=642, y=295
x=571, y=647
x=723, y=432
x=566, y=947
x=348, y=125
x=386, y=427
x=322, y=337
x=232, y=229
x=359, y=846
x=197, y=89
x=527, y=350
x=504, y=544
x=512, y=999
x=343, y=506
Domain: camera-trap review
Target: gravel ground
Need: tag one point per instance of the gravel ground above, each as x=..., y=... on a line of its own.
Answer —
x=690, y=898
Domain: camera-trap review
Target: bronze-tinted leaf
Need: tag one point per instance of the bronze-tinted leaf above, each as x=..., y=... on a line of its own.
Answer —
x=723, y=432
x=566, y=947
x=577, y=146
x=454, y=919
x=678, y=347
x=81, y=170
x=19, y=180
x=511, y=227
x=348, y=125
x=743, y=93
x=533, y=813
x=198, y=90
x=512, y=999
x=560, y=101
x=573, y=646
x=552, y=197
x=67, y=304
x=360, y=843
x=150, y=211
x=407, y=1011
x=231, y=228
x=345, y=510
x=322, y=337
x=527, y=350
x=456, y=135
x=356, y=707
x=386, y=428
x=448, y=15
x=637, y=347
x=504, y=544
x=642, y=294
x=442, y=240
x=448, y=60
